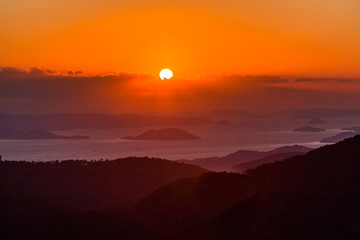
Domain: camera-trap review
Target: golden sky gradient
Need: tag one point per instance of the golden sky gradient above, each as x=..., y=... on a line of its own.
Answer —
x=278, y=37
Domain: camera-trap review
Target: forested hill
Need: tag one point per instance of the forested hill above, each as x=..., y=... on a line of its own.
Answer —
x=91, y=185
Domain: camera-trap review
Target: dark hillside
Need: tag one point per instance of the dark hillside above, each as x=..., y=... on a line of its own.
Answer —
x=314, y=196
x=176, y=209
x=49, y=197
x=92, y=185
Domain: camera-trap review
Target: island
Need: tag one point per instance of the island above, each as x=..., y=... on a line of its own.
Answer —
x=309, y=129
x=353, y=129
x=7, y=133
x=164, y=134
x=339, y=137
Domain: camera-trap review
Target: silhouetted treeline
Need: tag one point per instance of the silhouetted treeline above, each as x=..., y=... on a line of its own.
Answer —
x=92, y=185
x=312, y=196
x=33, y=193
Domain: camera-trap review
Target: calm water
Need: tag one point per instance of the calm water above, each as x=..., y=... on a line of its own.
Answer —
x=216, y=140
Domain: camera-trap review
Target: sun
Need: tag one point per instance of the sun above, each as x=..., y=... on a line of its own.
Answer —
x=166, y=73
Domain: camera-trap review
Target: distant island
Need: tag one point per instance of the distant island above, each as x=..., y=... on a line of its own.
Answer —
x=233, y=160
x=350, y=132
x=339, y=137
x=6, y=133
x=242, y=167
x=316, y=121
x=309, y=129
x=354, y=129
x=164, y=134
x=69, y=121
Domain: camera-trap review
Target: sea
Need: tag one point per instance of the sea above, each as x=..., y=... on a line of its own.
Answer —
x=216, y=140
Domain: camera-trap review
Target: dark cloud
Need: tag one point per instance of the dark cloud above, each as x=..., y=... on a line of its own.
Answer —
x=324, y=80
x=308, y=80
x=36, y=72
x=246, y=79
x=41, y=91
x=11, y=72
x=265, y=79
x=48, y=71
x=45, y=75
x=345, y=80
x=76, y=72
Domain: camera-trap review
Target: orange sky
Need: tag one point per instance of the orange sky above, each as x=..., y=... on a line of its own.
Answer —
x=307, y=37
x=42, y=91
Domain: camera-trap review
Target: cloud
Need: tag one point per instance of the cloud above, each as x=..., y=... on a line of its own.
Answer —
x=39, y=74
x=10, y=72
x=304, y=80
x=39, y=90
x=239, y=79
x=265, y=79
x=48, y=71
x=76, y=72
x=36, y=72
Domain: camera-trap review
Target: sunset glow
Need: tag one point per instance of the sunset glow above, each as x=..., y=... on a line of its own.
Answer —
x=180, y=119
x=318, y=38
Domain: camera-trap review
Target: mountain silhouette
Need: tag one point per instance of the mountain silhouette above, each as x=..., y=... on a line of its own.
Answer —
x=242, y=167
x=311, y=196
x=92, y=185
x=6, y=133
x=354, y=129
x=164, y=134
x=188, y=202
x=339, y=137
x=226, y=163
